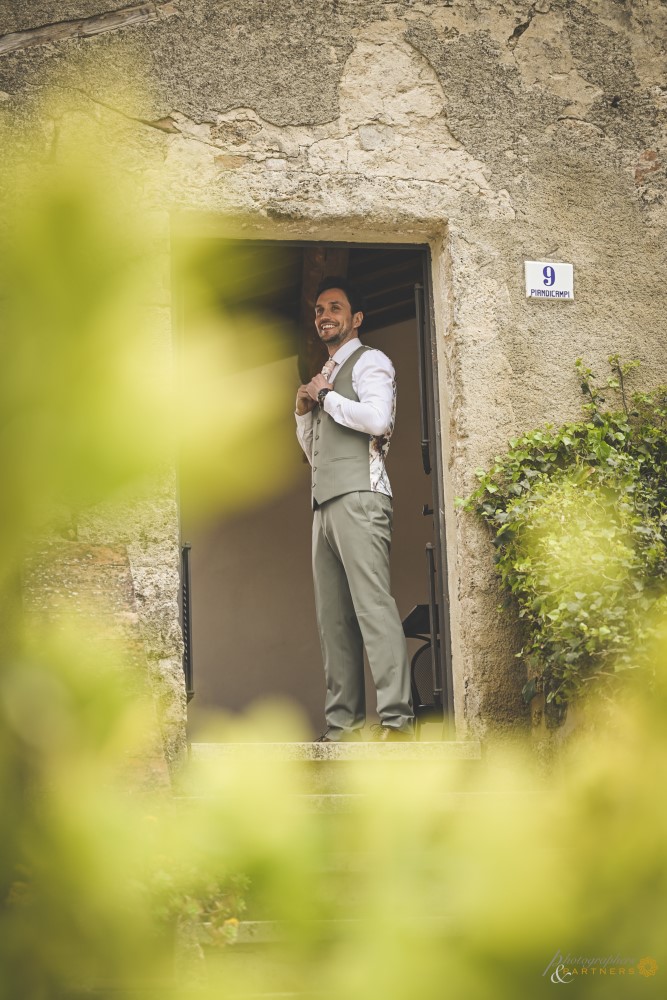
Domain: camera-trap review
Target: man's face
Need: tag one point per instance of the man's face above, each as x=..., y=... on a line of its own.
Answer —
x=334, y=319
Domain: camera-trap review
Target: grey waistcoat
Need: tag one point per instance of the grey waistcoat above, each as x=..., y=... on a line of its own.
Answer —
x=340, y=459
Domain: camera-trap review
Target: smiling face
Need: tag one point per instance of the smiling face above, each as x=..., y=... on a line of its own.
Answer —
x=334, y=319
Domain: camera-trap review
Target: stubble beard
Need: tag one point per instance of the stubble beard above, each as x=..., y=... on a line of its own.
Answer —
x=337, y=339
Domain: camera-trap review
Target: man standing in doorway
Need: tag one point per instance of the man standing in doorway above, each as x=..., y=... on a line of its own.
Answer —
x=345, y=417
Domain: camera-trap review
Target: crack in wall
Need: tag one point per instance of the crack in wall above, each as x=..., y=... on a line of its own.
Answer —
x=540, y=7
x=171, y=124
x=166, y=124
x=87, y=27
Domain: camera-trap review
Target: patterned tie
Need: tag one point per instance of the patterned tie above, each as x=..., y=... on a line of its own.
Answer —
x=328, y=369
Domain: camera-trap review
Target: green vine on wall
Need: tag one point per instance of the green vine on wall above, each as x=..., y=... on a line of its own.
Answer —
x=579, y=522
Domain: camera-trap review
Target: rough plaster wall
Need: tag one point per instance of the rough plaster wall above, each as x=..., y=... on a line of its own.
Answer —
x=497, y=132
x=92, y=587
x=147, y=528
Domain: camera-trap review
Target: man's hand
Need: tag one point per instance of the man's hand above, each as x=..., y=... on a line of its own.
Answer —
x=317, y=383
x=304, y=402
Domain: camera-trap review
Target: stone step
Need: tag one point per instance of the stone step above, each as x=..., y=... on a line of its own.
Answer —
x=254, y=933
x=441, y=750
x=335, y=782
x=332, y=773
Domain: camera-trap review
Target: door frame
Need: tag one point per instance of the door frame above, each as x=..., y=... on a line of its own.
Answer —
x=431, y=385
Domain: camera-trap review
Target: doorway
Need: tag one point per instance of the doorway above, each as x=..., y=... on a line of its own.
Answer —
x=252, y=615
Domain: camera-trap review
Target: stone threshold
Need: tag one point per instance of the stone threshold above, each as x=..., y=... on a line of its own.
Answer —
x=442, y=750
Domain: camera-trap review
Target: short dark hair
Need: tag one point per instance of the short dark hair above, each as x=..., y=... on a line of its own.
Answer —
x=354, y=296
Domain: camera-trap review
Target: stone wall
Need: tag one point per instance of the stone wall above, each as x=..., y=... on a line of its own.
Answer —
x=496, y=132
x=91, y=588
x=146, y=530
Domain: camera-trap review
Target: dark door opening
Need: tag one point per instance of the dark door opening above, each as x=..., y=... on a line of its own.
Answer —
x=252, y=623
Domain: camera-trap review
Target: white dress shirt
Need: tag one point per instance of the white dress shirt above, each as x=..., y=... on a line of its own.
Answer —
x=373, y=381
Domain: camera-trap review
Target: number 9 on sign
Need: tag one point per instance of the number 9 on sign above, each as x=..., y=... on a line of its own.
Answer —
x=549, y=280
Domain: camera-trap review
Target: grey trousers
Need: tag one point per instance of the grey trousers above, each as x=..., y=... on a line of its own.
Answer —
x=351, y=543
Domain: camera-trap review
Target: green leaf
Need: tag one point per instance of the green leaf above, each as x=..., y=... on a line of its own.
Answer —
x=579, y=522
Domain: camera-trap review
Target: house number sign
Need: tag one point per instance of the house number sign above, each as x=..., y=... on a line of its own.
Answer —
x=548, y=280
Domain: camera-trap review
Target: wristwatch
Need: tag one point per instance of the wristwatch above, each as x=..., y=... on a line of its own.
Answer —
x=321, y=394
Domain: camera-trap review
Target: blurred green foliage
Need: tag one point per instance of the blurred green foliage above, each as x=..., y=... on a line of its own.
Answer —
x=579, y=518
x=462, y=879
x=103, y=398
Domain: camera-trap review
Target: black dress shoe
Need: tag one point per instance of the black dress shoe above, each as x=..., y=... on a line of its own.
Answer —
x=347, y=736
x=386, y=734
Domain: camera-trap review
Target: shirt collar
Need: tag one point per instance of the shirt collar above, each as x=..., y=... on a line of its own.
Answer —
x=344, y=352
